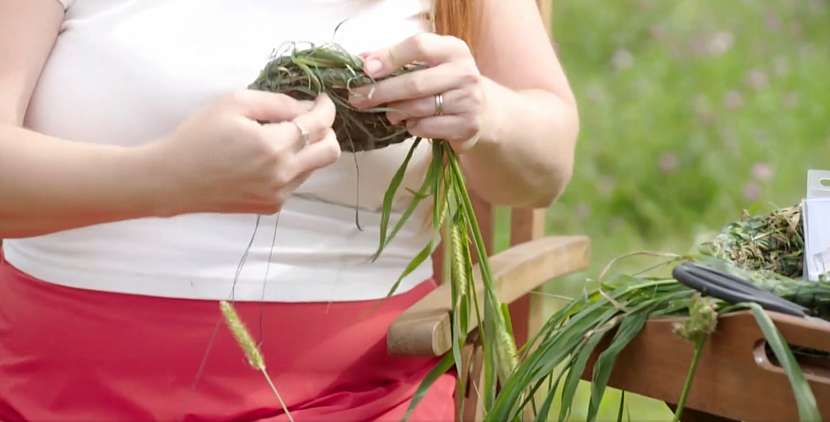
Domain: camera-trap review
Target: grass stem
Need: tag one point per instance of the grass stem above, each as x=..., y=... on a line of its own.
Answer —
x=690, y=376
x=277, y=393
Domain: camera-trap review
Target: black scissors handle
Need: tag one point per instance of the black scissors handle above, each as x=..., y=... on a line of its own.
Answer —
x=732, y=289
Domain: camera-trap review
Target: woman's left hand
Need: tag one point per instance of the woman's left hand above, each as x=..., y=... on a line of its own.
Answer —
x=443, y=101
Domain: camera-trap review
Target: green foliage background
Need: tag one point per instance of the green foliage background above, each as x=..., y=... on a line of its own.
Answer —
x=691, y=111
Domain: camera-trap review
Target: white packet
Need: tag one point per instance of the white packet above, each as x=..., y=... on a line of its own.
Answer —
x=816, y=220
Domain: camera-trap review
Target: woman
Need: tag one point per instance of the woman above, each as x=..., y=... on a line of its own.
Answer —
x=133, y=169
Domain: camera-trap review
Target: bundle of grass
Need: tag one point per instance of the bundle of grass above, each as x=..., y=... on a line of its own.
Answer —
x=772, y=242
x=306, y=73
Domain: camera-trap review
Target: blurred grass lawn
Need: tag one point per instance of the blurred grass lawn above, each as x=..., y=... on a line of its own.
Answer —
x=691, y=111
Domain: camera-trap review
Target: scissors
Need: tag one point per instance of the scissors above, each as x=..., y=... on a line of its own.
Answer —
x=732, y=289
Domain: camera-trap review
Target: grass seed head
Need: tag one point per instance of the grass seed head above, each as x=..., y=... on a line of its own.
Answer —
x=702, y=321
x=242, y=336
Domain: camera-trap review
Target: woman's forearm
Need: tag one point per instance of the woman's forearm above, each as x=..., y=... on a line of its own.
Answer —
x=48, y=184
x=220, y=159
x=524, y=156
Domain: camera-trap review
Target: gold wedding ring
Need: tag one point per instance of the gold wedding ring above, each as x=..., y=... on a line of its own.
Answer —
x=439, y=105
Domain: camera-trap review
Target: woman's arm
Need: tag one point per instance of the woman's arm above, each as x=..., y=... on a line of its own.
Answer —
x=36, y=195
x=509, y=110
x=219, y=160
x=525, y=153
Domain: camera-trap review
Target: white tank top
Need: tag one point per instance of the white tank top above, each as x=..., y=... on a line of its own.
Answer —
x=128, y=71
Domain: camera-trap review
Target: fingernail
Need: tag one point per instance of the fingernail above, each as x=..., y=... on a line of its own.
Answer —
x=372, y=66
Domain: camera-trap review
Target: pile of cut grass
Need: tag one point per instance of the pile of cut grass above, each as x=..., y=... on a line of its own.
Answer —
x=772, y=242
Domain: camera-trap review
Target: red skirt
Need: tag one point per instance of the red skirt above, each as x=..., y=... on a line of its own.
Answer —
x=70, y=354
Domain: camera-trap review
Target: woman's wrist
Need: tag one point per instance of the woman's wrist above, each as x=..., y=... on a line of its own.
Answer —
x=492, y=116
x=491, y=142
x=525, y=152
x=155, y=181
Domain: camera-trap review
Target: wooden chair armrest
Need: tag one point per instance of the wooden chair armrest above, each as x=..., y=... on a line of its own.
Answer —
x=424, y=329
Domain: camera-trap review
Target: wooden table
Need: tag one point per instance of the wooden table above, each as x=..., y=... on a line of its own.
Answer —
x=736, y=380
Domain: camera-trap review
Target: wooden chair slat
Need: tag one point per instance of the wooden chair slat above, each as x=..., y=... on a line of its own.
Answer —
x=526, y=224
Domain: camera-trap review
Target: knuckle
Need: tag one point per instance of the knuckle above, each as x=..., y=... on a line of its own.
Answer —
x=281, y=178
x=333, y=147
x=271, y=156
x=315, y=123
x=472, y=77
x=327, y=111
x=457, y=43
x=470, y=73
x=476, y=99
x=420, y=42
x=415, y=85
x=415, y=127
x=334, y=152
x=265, y=148
x=472, y=127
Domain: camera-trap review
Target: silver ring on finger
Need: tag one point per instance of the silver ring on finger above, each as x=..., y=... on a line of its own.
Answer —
x=304, y=135
x=439, y=105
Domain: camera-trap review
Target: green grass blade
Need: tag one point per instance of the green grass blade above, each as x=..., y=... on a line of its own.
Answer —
x=389, y=196
x=458, y=284
x=629, y=328
x=575, y=374
x=804, y=398
x=441, y=368
x=622, y=406
x=489, y=366
x=542, y=415
x=548, y=356
x=505, y=346
x=545, y=359
x=439, y=185
x=422, y=193
x=418, y=260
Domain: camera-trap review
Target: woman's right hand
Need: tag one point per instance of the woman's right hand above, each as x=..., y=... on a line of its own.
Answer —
x=222, y=159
